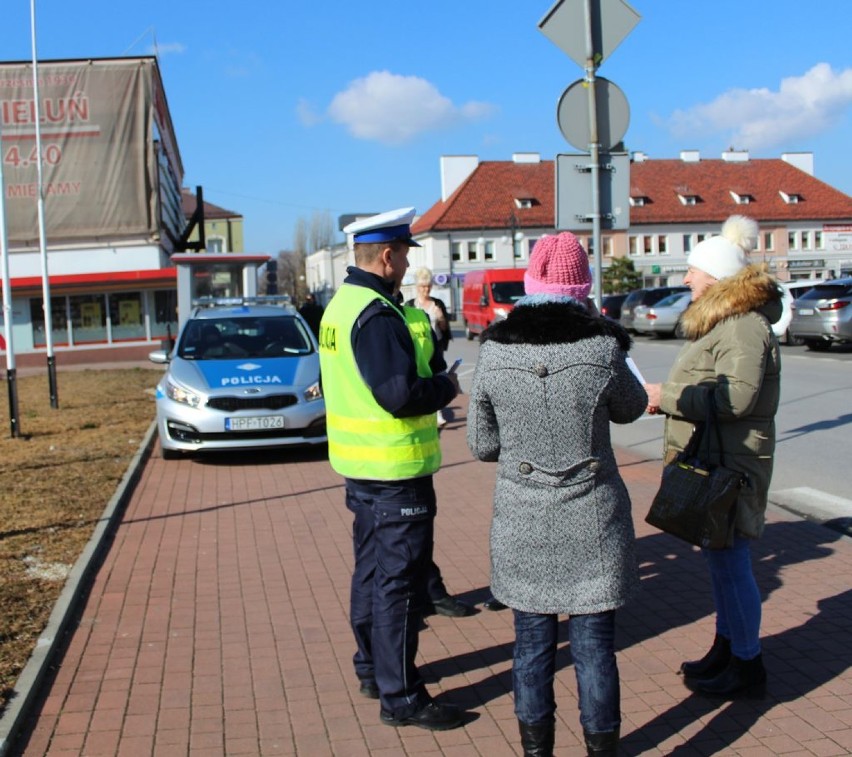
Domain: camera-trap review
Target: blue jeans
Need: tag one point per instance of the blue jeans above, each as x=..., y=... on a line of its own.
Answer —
x=736, y=596
x=592, y=639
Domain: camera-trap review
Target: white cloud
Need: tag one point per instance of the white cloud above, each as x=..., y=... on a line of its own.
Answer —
x=393, y=109
x=759, y=118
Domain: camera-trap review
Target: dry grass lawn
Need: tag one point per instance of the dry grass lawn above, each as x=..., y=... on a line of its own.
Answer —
x=55, y=481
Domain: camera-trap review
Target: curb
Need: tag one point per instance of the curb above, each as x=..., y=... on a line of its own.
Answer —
x=73, y=594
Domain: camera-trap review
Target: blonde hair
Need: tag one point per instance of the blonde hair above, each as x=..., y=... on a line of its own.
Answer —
x=423, y=276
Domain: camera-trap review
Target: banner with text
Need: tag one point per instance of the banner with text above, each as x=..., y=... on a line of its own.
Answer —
x=97, y=149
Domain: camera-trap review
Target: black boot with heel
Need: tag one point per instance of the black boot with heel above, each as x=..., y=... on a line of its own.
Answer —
x=537, y=740
x=741, y=679
x=713, y=663
x=601, y=744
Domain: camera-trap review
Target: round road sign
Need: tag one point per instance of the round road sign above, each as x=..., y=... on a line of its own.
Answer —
x=572, y=114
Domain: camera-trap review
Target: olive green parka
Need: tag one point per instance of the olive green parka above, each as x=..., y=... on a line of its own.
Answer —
x=731, y=352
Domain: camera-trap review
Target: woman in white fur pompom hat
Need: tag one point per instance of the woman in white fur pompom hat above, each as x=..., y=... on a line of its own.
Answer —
x=731, y=357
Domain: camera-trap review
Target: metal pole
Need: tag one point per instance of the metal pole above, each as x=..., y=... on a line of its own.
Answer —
x=594, y=151
x=11, y=371
x=45, y=279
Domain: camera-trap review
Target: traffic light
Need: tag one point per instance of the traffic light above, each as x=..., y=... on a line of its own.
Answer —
x=272, y=277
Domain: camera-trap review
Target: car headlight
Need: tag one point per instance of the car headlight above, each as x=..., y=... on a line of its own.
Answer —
x=500, y=313
x=313, y=392
x=184, y=396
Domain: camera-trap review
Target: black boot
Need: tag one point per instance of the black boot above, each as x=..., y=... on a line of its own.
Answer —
x=537, y=740
x=713, y=663
x=741, y=678
x=602, y=744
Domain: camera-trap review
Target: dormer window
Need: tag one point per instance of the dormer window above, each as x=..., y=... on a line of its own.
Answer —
x=638, y=201
x=741, y=198
x=688, y=199
x=791, y=198
x=524, y=202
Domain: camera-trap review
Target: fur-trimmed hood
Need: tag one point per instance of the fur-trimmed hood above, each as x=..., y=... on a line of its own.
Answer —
x=752, y=289
x=553, y=323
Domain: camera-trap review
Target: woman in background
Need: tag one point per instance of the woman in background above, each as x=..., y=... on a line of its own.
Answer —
x=731, y=356
x=438, y=316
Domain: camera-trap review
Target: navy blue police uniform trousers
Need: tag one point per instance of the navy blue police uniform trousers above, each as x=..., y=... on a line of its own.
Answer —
x=392, y=536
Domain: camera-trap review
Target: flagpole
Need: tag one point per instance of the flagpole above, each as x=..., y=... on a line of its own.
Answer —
x=45, y=278
x=11, y=371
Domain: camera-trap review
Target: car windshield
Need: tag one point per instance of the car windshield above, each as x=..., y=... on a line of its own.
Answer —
x=507, y=292
x=243, y=337
x=827, y=292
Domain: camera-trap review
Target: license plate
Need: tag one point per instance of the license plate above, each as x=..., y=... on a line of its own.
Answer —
x=254, y=423
x=805, y=311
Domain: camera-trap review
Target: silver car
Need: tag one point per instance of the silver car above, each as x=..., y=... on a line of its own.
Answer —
x=823, y=315
x=240, y=376
x=663, y=318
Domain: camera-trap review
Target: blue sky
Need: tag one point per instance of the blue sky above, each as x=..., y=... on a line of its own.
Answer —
x=283, y=108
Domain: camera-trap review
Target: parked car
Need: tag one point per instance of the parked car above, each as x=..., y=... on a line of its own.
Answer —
x=240, y=376
x=611, y=305
x=649, y=296
x=662, y=319
x=823, y=315
x=489, y=295
x=792, y=290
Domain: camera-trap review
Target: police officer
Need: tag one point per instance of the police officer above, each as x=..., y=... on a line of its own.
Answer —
x=381, y=398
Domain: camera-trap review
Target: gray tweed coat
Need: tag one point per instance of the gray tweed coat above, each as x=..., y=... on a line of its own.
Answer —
x=548, y=381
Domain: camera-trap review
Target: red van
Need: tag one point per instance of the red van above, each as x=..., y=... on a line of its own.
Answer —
x=489, y=295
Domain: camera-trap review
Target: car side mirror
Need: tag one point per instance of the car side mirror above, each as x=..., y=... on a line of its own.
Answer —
x=483, y=301
x=161, y=357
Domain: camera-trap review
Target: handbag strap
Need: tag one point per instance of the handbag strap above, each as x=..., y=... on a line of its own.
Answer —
x=712, y=421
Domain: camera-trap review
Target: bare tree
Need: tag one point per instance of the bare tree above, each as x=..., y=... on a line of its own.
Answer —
x=322, y=231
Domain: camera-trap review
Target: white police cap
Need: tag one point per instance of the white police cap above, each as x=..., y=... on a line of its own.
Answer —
x=392, y=226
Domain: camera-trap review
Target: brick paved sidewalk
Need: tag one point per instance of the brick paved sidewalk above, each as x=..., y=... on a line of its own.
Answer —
x=217, y=625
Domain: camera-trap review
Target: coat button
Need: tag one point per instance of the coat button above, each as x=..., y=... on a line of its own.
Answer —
x=525, y=468
x=540, y=370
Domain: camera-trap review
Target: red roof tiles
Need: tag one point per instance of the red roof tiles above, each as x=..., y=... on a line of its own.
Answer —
x=486, y=199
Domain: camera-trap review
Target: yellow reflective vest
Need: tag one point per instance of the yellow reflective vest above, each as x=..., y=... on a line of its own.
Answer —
x=364, y=439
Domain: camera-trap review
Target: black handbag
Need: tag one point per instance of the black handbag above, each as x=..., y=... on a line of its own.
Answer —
x=697, y=500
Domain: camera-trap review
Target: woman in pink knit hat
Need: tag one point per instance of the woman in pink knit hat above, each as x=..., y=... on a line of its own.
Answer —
x=549, y=380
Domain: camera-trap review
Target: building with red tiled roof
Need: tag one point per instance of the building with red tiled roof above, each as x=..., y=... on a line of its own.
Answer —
x=491, y=213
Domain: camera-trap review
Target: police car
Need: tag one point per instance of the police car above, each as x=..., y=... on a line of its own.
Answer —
x=243, y=374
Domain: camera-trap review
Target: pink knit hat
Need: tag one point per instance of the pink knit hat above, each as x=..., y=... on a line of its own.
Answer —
x=559, y=265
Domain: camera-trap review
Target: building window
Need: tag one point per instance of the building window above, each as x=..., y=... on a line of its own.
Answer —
x=164, y=323
x=457, y=255
x=607, y=246
x=687, y=242
x=819, y=244
x=768, y=241
x=663, y=244
x=58, y=321
x=126, y=316
x=472, y=252
x=792, y=240
x=589, y=244
x=215, y=244
x=489, y=250
x=634, y=245
x=806, y=240
x=648, y=245
x=700, y=238
x=88, y=318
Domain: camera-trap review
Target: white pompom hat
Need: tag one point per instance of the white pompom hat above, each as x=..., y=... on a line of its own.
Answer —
x=726, y=254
